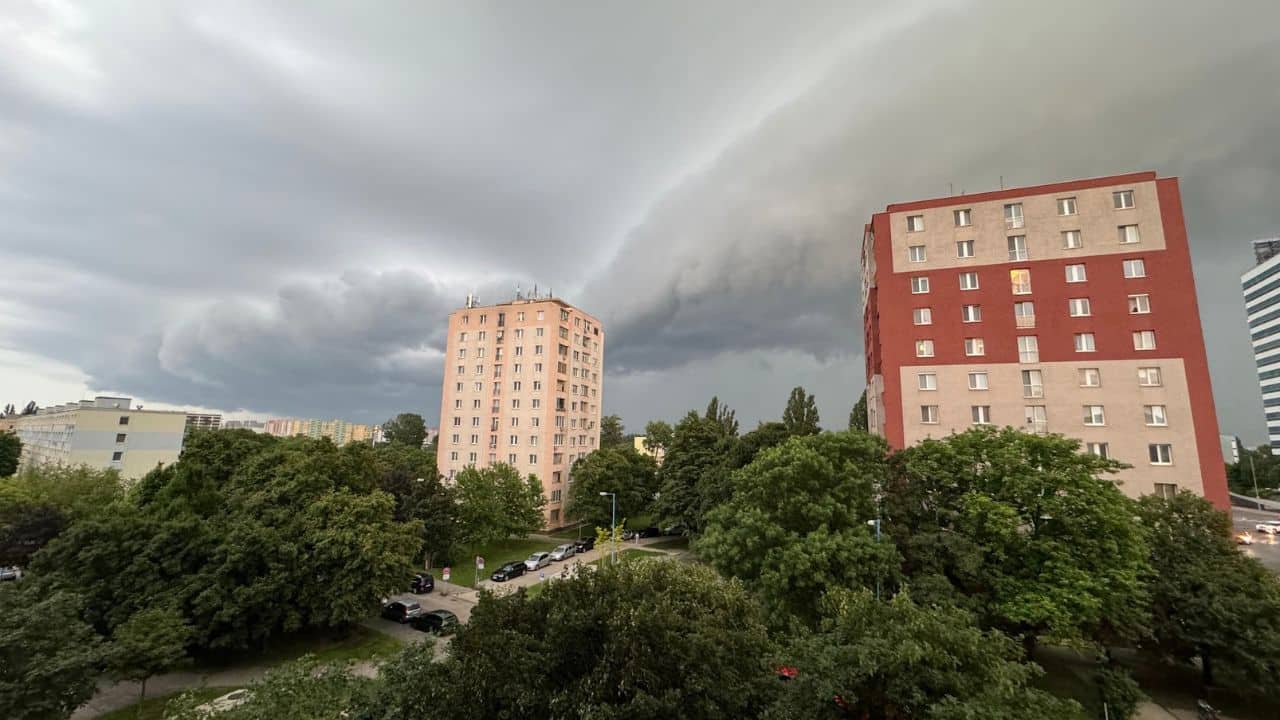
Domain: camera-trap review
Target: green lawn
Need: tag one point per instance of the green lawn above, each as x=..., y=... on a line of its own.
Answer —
x=629, y=554
x=463, y=572
x=672, y=543
x=355, y=643
x=571, y=533
x=153, y=707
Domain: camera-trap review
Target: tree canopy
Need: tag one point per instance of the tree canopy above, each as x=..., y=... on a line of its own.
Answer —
x=612, y=432
x=801, y=414
x=621, y=470
x=10, y=453
x=858, y=415
x=49, y=657
x=151, y=642
x=405, y=429
x=495, y=503
x=657, y=435
x=40, y=502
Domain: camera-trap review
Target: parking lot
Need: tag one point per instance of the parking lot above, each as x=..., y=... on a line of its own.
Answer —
x=1265, y=548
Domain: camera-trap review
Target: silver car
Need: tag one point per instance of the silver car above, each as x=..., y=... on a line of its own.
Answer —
x=564, y=552
x=538, y=560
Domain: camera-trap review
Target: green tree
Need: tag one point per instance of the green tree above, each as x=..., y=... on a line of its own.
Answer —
x=49, y=658
x=40, y=502
x=152, y=642
x=657, y=435
x=300, y=690
x=858, y=415
x=10, y=453
x=1208, y=602
x=897, y=659
x=409, y=475
x=406, y=429
x=612, y=431
x=694, y=474
x=720, y=414
x=496, y=503
x=765, y=436
x=641, y=639
x=801, y=414
x=621, y=470
x=1257, y=463
x=1025, y=530
x=796, y=526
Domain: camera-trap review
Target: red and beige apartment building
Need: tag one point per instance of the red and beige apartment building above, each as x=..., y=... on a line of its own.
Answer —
x=522, y=386
x=1067, y=308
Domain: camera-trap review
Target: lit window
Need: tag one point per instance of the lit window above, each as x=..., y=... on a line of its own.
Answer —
x=1067, y=206
x=1122, y=200
x=915, y=253
x=1084, y=342
x=969, y=281
x=978, y=381
x=919, y=285
x=1101, y=449
x=1013, y=216
x=1135, y=268
x=924, y=348
x=964, y=218
x=922, y=316
x=964, y=249
x=1128, y=234
x=1024, y=314
x=929, y=414
x=1078, y=307
x=1028, y=349
x=1071, y=240
x=971, y=313
x=1155, y=415
x=1144, y=340
x=927, y=381
x=1139, y=304
x=981, y=414
x=1018, y=248
x=973, y=346
x=1032, y=384
x=1020, y=281
x=1089, y=377
x=1149, y=377
x=1075, y=273
x=1094, y=415
x=915, y=223
x=1160, y=453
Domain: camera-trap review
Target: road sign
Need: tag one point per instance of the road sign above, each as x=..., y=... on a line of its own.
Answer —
x=479, y=562
x=444, y=575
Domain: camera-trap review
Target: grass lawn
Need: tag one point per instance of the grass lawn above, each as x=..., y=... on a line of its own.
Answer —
x=569, y=533
x=629, y=554
x=153, y=707
x=672, y=543
x=495, y=555
x=356, y=643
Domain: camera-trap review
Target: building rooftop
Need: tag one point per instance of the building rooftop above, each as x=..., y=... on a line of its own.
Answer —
x=1145, y=176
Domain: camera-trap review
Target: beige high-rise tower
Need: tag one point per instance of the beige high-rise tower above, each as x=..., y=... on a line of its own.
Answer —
x=522, y=386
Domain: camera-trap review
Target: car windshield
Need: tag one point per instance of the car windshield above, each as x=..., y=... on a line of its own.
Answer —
x=536, y=556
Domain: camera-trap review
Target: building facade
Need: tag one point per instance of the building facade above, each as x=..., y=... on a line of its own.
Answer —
x=522, y=386
x=102, y=433
x=1261, y=286
x=1067, y=308
x=203, y=421
x=340, y=432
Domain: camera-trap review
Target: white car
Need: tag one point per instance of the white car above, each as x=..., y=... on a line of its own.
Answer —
x=1270, y=527
x=564, y=552
x=233, y=699
x=538, y=560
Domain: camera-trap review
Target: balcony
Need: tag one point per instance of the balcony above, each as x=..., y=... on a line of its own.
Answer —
x=1024, y=321
x=1014, y=223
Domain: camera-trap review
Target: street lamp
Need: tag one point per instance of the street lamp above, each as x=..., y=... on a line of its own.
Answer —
x=876, y=523
x=613, y=524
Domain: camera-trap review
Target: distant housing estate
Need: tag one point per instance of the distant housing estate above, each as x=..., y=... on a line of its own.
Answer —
x=340, y=432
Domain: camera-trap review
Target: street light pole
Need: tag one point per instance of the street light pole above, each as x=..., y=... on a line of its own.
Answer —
x=876, y=523
x=613, y=524
x=1254, y=471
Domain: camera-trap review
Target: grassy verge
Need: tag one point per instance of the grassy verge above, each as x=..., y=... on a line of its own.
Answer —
x=153, y=707
x=673, y=543
x=495, y=555
x=572, y=533
x=628, y=554
x=351, y=644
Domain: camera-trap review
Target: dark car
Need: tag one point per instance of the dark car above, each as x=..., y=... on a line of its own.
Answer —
x=422, y=583
x=585, y=544
x=437, y=622
x=673, y=530
x=401, y=611
x=648, y=532
x=508, y=571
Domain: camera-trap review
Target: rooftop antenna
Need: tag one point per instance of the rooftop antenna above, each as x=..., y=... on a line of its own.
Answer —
x=518, y=291
x=1001, y=182
x=951, y=188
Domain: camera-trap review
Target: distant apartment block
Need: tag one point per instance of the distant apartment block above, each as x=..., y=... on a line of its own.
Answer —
x=1261, y=286
x=657, y=454
x=339, y=431
x=1067, y=308
x=203, y=421
x=522, y=386
x=102, y=433
x=255, y=425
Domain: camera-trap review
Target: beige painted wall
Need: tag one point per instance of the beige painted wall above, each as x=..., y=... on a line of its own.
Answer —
x=1123, y=399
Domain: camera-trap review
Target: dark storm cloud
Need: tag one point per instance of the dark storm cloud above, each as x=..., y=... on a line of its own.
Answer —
x=275, y=210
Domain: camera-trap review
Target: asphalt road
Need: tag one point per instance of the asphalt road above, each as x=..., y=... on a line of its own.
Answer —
x=1265, y=547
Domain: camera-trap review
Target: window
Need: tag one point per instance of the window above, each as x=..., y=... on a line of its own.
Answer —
x=1084, y=342
x=1075, y=273
x=1128, y=234
x=1020, y=281
x=457, y=421
x=1037, y=418
x=1094, y=415
x=964, y=249
x=1089, y=377
x=919, y=285
x=1160, y=453
x=927, y=381
x=1144, y=340
x=971, y=313
x=929, y=414
x=1155, y=415
x=922, y=316
x=1067, y=206
x=1122, y=200
x=1032, y=384
x=915, y=223
x=1071, y=240
x=1028, y=349
x=513, y=440
x=1101, y=449
x=964, y=218
x=1139, y=304
x=124, y=419
x=533, y=459
x=969, y=281
x=924, y=348
x=1078, y=307
x=1024, y=314
x=978, y=381
x=1149, y=377
x=117, y=456
x=915, y=253
x=981, y=414
x=1135, y=268
x=974, y=346
x=1013, y=216
x=1018, y=248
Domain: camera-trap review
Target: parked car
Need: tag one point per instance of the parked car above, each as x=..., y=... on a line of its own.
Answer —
x=628, y=534
x=1244, y=538
x=230, y=701
x=537, y=561
x=401, y=611
x=584, y=544
x=508, y=571
x=422, y=583
x=648, y=532
x=1270, y=527
x=436, y=622
x=10, y=574
x=673, y=530
x=563, y=552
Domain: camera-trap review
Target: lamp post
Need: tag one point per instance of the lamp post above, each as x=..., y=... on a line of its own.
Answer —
x=613, y=524
x=876, y=523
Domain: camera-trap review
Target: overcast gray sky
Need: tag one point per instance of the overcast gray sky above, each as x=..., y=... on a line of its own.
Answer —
x=271, y=207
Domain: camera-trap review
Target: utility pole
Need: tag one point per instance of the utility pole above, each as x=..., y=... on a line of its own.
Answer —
x=1254, y=471
x=876, y=523
x=613, y=524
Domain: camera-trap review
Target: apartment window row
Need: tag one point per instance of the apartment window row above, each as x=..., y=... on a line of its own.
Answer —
x=1020, y=278
x=1028, y=345
x=1033, y=381
x=1018, y=248
x=1013, y=212
x=1093, y=416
